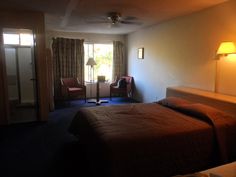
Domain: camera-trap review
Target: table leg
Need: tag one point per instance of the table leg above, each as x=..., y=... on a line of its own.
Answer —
x=98, y=101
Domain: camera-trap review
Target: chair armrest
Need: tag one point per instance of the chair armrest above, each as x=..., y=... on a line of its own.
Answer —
x=128, y=87
x=79, y=85
x=83, y=86
x=113, y=84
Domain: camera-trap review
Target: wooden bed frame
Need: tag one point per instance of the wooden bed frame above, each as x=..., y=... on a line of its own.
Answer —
x=222, y=102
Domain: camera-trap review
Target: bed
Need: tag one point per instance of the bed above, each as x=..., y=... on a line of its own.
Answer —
x=170, y=137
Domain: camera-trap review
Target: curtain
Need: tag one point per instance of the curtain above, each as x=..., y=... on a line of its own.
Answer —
x=118, y=60
x=68, y=61
x=50, y=79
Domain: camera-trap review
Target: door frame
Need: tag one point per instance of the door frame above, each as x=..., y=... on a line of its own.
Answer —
x=4, y=106
x=23, y=19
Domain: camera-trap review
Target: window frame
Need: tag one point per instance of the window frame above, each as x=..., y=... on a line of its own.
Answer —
x=93, y=56
x=19, y=39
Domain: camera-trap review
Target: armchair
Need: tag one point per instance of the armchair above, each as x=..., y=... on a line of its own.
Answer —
x=72, y=89
x=124, y=90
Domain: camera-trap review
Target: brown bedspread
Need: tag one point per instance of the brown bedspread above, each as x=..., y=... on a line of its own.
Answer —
x=147, y=140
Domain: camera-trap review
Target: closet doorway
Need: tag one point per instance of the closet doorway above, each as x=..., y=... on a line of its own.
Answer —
x=20, y=71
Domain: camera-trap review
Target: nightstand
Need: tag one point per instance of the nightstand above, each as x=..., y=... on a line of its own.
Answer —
x=227, y=170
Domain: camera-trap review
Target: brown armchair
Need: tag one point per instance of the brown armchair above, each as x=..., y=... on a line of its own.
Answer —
x=72, y=89
x=126, y=91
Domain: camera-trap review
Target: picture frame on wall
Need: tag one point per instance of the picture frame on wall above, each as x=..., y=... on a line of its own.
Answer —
x=141, y=53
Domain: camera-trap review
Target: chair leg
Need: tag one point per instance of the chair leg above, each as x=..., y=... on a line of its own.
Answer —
x=128, y=94
x=110, y=95
x=85, y=99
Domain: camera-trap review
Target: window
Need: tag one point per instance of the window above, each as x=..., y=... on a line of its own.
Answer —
x=26, y=39
x=11, y=39
x=23, y=39
x=103, y=56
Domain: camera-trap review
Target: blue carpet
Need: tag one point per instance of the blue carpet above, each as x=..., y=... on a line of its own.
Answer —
x=46, y=149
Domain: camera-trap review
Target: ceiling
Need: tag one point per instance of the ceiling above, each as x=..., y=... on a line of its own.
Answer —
x=82, y=15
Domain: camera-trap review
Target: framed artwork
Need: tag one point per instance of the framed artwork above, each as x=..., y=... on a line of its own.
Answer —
x=141, y=53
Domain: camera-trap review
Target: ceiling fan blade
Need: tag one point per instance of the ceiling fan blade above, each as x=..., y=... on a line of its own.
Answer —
x=129, y=18
x=114, y=19
x=130, y=23
x=97, y=22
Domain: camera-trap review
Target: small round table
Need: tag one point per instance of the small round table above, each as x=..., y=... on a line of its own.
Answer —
x=97, y=100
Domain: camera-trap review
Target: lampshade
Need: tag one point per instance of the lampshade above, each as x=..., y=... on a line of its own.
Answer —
x=226, y=48
x=91, y=62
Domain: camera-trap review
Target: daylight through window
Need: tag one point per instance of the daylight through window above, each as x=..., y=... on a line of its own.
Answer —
x=23, y=39
x=103, y=56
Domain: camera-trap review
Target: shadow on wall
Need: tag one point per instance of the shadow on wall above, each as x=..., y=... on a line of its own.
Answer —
x=138, y=91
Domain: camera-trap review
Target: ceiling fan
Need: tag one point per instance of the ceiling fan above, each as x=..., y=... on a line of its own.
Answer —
x=115, y=18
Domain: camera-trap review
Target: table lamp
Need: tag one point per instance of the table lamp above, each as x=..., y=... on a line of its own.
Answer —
x=91, y=62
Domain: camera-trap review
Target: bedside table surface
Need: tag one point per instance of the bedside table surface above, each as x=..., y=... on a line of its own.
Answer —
x=227, y=170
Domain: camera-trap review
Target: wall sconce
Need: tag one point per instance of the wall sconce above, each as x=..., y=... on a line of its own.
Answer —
x=223, y=51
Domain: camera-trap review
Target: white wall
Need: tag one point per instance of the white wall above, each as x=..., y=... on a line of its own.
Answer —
x=182, y=51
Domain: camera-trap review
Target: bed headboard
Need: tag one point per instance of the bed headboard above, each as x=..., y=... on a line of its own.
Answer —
x=222, y=102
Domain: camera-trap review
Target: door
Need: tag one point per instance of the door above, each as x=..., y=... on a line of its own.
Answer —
x=20, y=70
x=26, y=76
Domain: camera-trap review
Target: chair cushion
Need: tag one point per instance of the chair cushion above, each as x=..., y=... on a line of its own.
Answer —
x=74, y=89
x=121, y=83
